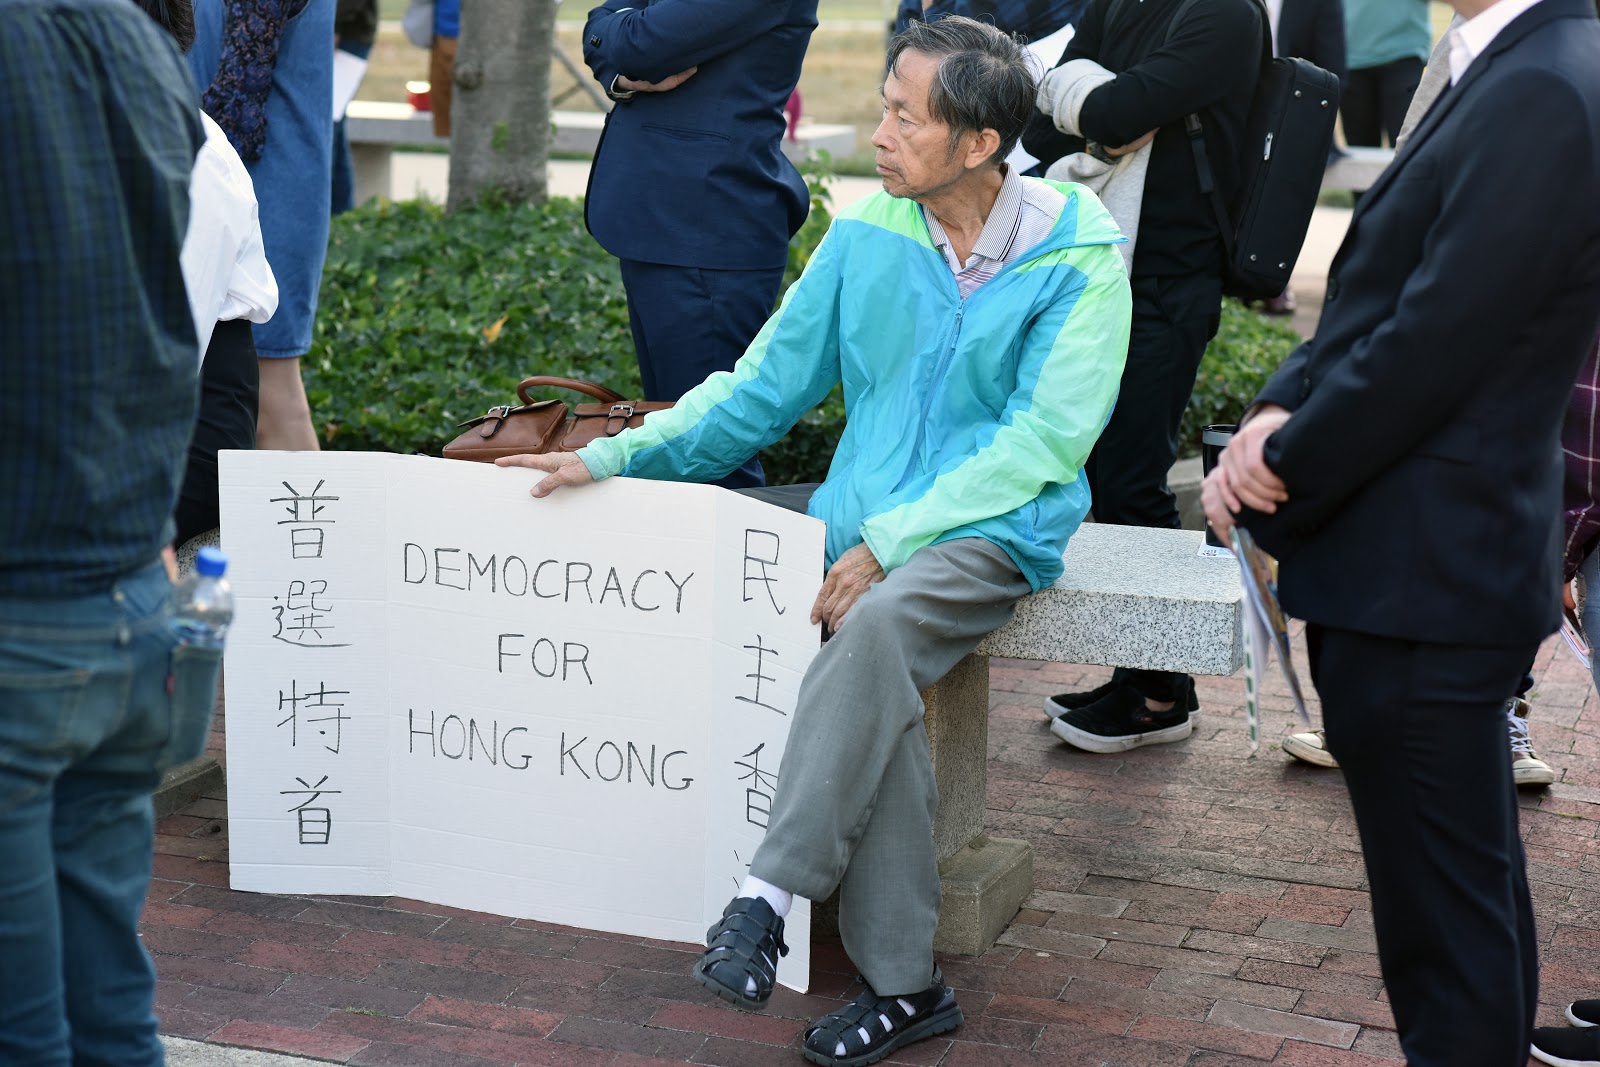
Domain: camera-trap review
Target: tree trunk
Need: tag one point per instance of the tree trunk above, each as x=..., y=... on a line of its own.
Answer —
x=500, y=114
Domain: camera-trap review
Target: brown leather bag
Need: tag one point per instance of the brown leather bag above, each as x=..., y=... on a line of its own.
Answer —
x=548, y=425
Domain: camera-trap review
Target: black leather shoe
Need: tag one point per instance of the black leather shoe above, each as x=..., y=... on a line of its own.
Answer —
x=742, y=950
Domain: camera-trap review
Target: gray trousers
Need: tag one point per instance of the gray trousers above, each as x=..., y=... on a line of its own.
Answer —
x=856, y=795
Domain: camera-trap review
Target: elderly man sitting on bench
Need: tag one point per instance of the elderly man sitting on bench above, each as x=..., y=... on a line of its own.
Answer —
x=979, y=322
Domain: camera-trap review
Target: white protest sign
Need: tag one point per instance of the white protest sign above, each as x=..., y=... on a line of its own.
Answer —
x=570, y=709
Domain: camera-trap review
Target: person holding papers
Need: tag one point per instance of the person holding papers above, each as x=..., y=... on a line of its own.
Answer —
x=1404, y=466
x=979, y=322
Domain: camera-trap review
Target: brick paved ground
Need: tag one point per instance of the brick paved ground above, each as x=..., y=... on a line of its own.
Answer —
x=1193, y=907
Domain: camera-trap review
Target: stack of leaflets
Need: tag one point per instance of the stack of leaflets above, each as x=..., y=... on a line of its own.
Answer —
x=1576, y=639
x=1266, y=631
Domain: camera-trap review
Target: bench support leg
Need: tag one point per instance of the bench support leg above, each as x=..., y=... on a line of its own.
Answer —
x=982, y=880
x=374, y=174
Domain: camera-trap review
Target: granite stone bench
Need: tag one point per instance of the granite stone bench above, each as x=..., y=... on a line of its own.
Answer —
x=376, y=129
x=1129, y=597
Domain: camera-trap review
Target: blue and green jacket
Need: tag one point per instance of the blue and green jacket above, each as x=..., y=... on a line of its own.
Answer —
x=964, y=417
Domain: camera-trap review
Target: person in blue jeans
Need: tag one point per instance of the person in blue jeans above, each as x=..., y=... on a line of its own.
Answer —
x=95, y=699
x=264, y=71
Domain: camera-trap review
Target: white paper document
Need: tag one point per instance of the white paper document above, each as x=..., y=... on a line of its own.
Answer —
x=1266, y=632
x=570, y=709
x=1577, y=641
x=348, y=70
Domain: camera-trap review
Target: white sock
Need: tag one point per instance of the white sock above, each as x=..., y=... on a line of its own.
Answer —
x=781, y=900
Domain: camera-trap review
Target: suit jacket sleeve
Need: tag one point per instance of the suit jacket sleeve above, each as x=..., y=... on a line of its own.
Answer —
x=1213, y=53
x=1455, y=312
x=651, y=41
x=1283, y=387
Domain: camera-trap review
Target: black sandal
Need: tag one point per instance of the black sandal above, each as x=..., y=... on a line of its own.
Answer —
x=872, y=1027
x=744, y=944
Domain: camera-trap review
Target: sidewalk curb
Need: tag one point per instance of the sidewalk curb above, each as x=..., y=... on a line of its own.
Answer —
x=187, y=783
x=182, y=1052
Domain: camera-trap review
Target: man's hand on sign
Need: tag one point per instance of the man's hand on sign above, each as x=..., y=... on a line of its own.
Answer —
x=561, y=468
x=850, y=576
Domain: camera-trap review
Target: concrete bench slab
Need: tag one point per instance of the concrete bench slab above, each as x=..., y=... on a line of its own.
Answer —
x=579, y=132
x=1128, y=597
x=1132, y=597
x=375, y=129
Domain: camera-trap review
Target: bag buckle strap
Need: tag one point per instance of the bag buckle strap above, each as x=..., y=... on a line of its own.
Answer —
x=493, y=418
x=622, y=410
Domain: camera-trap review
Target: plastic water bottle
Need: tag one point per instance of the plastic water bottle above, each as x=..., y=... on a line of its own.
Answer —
x=202, y=602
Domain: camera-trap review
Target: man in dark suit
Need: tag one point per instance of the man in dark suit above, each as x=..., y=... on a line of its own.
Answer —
x=690, y=188
x=1404, y=465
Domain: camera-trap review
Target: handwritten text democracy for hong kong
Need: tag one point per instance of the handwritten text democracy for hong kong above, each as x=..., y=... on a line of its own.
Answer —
x=569, y=581
x=441, y=689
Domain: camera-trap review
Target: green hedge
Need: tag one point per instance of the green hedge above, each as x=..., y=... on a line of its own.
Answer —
x=1247, y=349
x=427, y=319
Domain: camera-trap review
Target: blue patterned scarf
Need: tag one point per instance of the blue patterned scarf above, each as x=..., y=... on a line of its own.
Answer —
x=237, y=96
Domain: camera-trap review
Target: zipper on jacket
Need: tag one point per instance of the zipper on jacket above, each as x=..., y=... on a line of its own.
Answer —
x=1049, y=244
x=927, y=402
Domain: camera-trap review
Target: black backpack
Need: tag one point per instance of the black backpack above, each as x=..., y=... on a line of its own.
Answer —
x=1287, y=139
x=1288, y=134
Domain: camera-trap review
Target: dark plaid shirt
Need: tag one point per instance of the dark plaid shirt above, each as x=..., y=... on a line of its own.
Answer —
x=1580, y=447
x=99, y=126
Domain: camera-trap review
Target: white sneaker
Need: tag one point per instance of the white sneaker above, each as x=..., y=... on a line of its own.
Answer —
x=1311, y=746
x=1527, y=769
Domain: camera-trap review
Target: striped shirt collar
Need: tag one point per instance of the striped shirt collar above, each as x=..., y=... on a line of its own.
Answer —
x=999, y=229
x=1023, y=214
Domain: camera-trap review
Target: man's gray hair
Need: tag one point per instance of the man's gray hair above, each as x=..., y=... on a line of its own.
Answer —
x=986, y=79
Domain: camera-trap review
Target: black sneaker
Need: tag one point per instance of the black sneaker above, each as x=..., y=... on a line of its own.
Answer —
x=1122, y=721
x=1061, y=703
x=1567, y=1046
x=1584, y=1013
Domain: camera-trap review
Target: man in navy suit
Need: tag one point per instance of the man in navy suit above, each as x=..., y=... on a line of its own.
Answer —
x=690, y=188
x=1404, y=465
